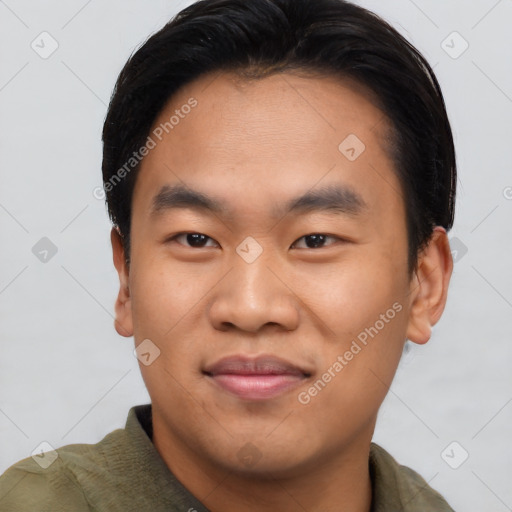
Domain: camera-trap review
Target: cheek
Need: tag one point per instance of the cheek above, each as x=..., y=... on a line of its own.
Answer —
x=161, y=296
x=163, y=303
x=363, y=302
x=359, y=366
x=350, y=295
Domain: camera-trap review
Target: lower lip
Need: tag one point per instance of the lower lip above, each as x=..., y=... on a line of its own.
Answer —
x=257, y=387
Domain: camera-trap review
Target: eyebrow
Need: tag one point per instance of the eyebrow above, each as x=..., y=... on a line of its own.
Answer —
x=336, y=199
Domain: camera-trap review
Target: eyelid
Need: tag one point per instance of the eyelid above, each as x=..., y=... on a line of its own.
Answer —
x=334, y=237
x=184, y=233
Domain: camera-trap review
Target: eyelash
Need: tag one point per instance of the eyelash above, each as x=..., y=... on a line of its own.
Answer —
x=175, y=237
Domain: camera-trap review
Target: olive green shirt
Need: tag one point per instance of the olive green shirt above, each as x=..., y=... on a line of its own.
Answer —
x=124, y=472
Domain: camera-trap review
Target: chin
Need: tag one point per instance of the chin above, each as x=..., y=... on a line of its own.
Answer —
x=262, y=460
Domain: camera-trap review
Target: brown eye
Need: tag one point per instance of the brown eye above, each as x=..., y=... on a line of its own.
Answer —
x=315, y=241
x=195, y=240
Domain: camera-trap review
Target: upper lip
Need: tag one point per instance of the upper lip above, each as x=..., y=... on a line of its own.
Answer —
x=260, y=365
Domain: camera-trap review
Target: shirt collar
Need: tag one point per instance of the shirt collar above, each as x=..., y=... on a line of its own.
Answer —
x=390, y=486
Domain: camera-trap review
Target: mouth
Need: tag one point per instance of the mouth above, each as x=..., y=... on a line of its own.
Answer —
x=259, y=378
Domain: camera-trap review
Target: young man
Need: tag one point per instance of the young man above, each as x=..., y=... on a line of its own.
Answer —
x=281, y=178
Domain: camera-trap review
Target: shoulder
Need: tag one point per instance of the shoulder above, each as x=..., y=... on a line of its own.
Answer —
x=398, y=485
x=55, y=481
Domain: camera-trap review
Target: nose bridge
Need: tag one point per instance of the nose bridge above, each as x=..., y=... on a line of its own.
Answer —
x=253, y=279
x=251, y=258
x=251, y=295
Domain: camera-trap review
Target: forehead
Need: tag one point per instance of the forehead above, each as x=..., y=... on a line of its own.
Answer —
x=269, y=138
x=292, y=107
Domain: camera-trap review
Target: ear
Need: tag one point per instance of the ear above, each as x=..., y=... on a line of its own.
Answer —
x=429, y=286
x=123, y=322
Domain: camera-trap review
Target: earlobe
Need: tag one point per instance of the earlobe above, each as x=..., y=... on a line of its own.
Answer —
x=123, y=313
x=429, y=287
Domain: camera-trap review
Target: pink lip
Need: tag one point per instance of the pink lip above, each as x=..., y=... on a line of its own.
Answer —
x=258, y=378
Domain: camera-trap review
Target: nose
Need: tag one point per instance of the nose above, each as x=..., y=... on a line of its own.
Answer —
x=254, y=295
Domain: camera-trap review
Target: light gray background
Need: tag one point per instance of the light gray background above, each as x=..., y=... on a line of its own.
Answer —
x=67, y=377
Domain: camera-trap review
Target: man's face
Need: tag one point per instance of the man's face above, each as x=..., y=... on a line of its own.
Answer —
x=259, y=284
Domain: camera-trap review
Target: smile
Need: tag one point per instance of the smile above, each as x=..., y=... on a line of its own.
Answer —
x=256, y=379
